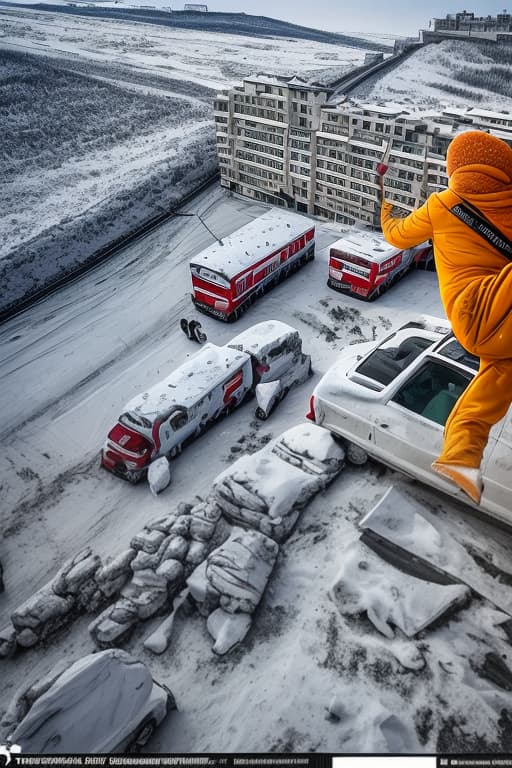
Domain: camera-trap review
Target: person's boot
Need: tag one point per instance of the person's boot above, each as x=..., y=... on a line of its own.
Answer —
x=468, y=479
x=195, y=332
x=185, y=327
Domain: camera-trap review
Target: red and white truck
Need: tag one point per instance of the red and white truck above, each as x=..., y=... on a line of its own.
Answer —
x=229, y=275
x=365, y=265
x=211, y=383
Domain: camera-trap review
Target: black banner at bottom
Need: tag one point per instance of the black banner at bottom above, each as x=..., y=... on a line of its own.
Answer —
x=271, y=760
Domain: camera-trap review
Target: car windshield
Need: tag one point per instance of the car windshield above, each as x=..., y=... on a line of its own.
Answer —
x=390, y=359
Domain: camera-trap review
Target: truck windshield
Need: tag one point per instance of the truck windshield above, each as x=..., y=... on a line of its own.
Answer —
x=386, y=362
x=134, y=418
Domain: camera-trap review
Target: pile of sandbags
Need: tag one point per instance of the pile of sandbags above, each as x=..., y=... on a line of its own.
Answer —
x=164, y=553
x=82, y=584
x=228, y=586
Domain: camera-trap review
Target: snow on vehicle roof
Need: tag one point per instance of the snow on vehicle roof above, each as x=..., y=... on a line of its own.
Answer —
x=98, y=695
x=253, y=241
x=191, y=381
x=366, y=244
x=261, y=334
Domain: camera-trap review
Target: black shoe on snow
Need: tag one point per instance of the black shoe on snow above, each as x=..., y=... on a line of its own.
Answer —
x=195, y=332
x=185, y=327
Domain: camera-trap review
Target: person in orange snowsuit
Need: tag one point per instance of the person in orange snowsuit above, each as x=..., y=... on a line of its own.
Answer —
x=475, y=283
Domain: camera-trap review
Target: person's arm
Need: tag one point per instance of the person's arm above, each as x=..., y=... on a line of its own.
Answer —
x=411, y=230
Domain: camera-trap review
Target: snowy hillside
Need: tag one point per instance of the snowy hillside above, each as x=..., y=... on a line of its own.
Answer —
x=449, y=74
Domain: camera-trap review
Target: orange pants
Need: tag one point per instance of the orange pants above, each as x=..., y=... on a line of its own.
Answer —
x=482, y=322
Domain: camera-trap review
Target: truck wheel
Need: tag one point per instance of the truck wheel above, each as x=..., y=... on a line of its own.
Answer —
x=175, y=451
x=355, y=454
x=143, y=735
x=133, y=476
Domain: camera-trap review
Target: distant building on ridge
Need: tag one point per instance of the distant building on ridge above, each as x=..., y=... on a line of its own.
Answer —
x=497, y=29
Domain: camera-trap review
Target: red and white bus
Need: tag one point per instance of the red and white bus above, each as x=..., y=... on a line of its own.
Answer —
x=227, y=278
x=365, y=265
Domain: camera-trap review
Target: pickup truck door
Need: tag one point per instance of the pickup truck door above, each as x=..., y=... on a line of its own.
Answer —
x=497, y=470
x=410, y=434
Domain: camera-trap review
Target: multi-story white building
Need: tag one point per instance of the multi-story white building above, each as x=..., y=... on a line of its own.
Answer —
x=281, y=141
x=265, y=138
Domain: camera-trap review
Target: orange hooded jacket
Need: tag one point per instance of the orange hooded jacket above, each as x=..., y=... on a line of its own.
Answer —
x=475, y=282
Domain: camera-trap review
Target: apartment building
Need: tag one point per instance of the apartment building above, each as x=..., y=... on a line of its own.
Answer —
x=282, y=142
x=467, y=21
x=266, y=131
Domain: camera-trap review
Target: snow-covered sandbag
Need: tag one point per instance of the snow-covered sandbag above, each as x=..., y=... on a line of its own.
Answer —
x=43, y=607
x=172, y=571
x=158, y=641
x=176, y=548
x=266, y=490
x=389, y=597
x=115, y=567
x=267, y=397
x=239, y=569
x=163, y=524
x=227, y=629
x=106, y=632
x=7, y=641
x=148, y=540
x=197, y=552
x=159, y=475
x=27, y=638
x=73, y=575
x=279, y=484
x=203, y=520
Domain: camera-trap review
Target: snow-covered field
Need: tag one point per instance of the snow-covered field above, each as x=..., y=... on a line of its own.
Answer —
x=313, y=674
x=69, y=365
x=110, y=122
x=452, y=73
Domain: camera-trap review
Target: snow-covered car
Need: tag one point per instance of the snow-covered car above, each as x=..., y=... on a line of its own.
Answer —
x=266, y=490
x=104, y=702
x=278, y=359
x=391, y=400
x=210, y=384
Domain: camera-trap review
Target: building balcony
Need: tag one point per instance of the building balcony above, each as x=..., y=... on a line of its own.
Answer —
x=368, y=137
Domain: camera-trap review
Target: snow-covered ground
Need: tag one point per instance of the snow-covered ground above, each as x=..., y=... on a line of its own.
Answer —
x=69, y=365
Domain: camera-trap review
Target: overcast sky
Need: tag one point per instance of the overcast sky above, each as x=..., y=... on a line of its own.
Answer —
x=398, y=17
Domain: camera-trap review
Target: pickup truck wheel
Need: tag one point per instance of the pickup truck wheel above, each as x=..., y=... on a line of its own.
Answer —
x=144, y=734
x=175, y=451
x=355, y=454
x=133, y=476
